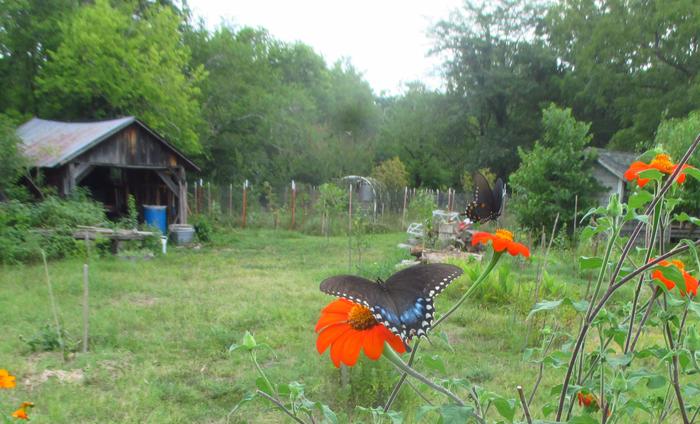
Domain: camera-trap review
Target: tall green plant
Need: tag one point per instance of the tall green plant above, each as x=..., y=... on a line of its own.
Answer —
x=554, y=172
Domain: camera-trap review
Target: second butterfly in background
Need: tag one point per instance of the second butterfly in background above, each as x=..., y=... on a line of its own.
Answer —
x=486, y=204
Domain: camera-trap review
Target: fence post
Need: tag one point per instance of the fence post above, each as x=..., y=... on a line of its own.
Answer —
x=349, y=228
x=86, y=308
x=196, y=205
x=449, y=199
x=230, y=199
x=209, y=197
x=245, y=203
x=294, y=203
x=403, y=212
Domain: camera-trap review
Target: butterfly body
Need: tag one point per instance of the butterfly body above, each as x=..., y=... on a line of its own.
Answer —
x=486, y=204
x=404, y=302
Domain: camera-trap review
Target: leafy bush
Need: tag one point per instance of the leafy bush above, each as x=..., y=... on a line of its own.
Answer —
x=11, y=160
x=26, y=228
x=203, y=229
x=554, y=172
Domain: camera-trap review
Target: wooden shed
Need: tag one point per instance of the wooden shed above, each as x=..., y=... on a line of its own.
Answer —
x=113, y=159
x=609, y=169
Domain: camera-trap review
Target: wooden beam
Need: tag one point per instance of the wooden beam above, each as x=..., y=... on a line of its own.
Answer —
x=81, y=171
x=182, y=198
x=169, y=182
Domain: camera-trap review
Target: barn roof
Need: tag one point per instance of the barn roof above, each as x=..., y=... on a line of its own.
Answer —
x=615, y=162
x=49, y=144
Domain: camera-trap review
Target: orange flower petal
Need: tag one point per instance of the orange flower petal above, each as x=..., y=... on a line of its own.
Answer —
x=339, y=306
x=481, y=237
x=330, y=335
x=352, y=346
x=691, y=284
x=328, y=319
x=20, y=414
x=337, y=349
x=499, y=244
x=394, y=341
x=516, y=249
x=373, y=343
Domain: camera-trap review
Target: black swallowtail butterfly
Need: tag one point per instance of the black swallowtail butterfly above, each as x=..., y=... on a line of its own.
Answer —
x=487, y=204
x=404, y=302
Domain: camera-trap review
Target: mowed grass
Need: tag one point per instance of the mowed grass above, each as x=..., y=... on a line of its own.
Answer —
x=160, y=331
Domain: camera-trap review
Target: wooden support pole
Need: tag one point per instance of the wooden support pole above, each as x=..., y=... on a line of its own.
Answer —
x=245, y=203
x=230, y=199
x=403, y=212
x=86, y=308
x=294, y=203
x=209, y=197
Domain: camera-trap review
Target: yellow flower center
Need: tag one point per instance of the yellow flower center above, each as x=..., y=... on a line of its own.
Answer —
x=361, y=318
x=663, y=163
x=504, y=234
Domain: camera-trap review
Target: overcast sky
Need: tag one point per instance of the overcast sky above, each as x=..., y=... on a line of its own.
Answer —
x=387, y=40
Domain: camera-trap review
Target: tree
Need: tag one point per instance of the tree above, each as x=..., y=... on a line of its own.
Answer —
x=12, y=162
x=391, y=174
x=498, y=75
x=111, y=62
x=628, y=64
x=554, y=172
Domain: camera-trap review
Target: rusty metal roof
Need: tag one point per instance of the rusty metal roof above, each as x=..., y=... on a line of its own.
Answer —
x=49, y=144
x=53, y=143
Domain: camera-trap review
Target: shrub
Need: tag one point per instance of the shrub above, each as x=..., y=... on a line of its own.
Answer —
x=554, y=172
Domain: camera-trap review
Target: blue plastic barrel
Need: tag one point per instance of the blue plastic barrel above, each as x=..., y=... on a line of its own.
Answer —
x=155, y=216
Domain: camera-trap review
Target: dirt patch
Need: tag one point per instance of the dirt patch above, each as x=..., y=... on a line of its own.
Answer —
x=63, y=376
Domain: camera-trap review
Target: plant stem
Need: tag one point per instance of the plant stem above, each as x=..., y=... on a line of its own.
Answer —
x=280, y=406
x=654, y=229
x=603, y=268
x=523, y=402
x=54, y=308
x=262, y=373
x=494, y=260
x=396, y=360
x=397, y=386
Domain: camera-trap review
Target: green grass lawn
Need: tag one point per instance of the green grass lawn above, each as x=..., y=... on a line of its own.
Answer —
x=160, y=330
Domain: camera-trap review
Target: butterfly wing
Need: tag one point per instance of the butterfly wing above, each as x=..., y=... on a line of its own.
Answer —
x=487, y=204
x=412, y=291
x=355, y=289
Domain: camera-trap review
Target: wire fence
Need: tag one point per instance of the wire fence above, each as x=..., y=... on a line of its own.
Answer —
x=307, y=208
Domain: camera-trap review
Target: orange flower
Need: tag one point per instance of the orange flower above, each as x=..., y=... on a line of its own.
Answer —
x=501, y=240
x=348, y=327
x=7, y=381
x=661, y=162
x=691, y=284
x=586, y=399
x=20, y=414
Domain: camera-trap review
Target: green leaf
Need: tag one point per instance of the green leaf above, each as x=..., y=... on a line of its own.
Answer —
x=639, y=199
x=424, y=410
x=694, y=307
x=443, y=335
x=656, y=382
x=683, y=217
x=548, y=305
x=590, y=262
x=505, y=407
x=693, y=172
x=583, y=419
x=435, y=363
x=264, y=386
x=619, y=360
x=455, y=414
x=652, y=174
x=328, y=414
x=692, y=340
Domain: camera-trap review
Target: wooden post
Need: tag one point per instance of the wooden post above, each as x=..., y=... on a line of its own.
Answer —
x=196, y=205
x=209, y=197
x=230, y=199
x=403, y=213
x=86, y=308
x=294, y=203
x=245, y=202
x=449, y=200
x=350, y=228
x=437, y=198
x=576, y=217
